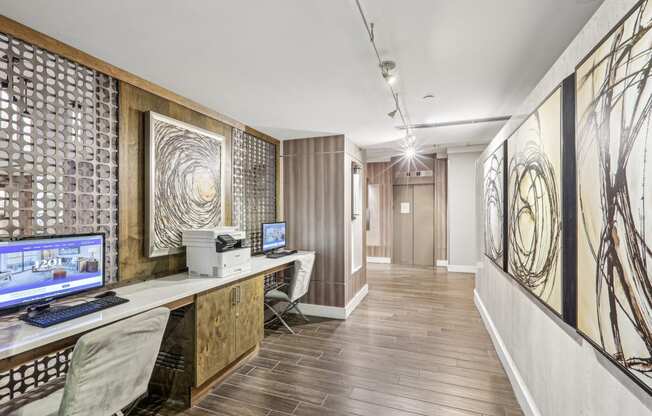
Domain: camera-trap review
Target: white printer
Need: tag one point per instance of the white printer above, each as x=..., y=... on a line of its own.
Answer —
x=216, y=252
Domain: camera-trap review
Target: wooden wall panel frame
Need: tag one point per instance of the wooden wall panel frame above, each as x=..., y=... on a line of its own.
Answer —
x=569, y=203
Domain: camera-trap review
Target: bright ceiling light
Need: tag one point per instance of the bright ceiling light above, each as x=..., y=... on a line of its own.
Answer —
x=410, y=152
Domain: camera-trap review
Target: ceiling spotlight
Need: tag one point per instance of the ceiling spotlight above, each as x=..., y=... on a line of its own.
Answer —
x=392, y=113
x=387, y=68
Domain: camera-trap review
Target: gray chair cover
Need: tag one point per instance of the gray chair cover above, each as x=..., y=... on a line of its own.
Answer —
x=301, y=279
x=110, y=368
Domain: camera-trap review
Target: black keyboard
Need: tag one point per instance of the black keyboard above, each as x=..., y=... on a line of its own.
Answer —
x=279, y=254
x=56, y=316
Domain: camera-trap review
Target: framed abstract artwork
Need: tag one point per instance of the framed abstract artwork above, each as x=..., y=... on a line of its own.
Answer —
x=534, y=203
x=494, y=202
x=614, y=185
x=184, y=187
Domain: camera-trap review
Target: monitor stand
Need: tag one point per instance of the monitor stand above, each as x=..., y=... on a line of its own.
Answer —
x=38, y=307
x=281, y=252
x=35, y=308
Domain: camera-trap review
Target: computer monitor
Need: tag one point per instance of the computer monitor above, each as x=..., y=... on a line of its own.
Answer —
x=42, y=268
x=273, y=236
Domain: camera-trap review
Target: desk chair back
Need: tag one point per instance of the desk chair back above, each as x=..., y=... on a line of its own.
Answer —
x=111, y=366
x=301, y=280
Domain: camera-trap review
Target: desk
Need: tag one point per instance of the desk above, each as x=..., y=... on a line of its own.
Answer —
x=20, y=342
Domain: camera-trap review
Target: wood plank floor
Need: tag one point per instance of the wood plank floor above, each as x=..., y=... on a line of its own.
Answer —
x=415, y=346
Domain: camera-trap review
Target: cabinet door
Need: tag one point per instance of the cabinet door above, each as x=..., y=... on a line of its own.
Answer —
x=249, y=321
x=215, y=332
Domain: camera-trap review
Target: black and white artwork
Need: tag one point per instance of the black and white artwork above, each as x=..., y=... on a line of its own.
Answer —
x=494, y=203
x=614, y=186
x=534, y=203
x=185, y=182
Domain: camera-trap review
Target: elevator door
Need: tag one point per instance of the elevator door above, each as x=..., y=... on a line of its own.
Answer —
x=414, y=227
x=402, y=252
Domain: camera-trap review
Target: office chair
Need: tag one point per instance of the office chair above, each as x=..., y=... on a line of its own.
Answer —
x=109, y=370
x=298, y=288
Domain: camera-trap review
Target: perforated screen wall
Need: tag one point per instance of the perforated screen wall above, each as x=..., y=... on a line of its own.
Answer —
x=58, y=147
x=254, y=185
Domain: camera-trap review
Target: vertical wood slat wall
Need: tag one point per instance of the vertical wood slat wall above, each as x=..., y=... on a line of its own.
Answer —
x=136, y=96
x=313, y=201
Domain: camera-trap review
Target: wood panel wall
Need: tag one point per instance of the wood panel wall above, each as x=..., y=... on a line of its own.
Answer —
x=380, y=173
x=313, y=201
x=134, y=103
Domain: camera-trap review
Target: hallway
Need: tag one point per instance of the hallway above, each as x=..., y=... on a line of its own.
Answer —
x=415, y=346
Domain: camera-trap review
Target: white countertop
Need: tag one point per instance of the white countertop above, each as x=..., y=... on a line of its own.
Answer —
x=17, y=337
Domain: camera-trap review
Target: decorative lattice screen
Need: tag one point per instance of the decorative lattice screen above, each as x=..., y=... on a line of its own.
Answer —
x=27, y=377
x=254, y=185
x=58, y=147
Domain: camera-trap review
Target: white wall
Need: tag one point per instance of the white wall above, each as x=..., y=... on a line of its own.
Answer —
x=462, y=230
x=553, y=370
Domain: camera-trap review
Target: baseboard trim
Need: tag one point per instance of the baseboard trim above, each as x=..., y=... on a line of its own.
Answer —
x=523, y=395
x=334, y=312
x=454, y=268
x=384, y=260
x=356, y=300
x=442, y=263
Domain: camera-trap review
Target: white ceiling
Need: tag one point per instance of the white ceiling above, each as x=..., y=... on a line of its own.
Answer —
x=297, y=68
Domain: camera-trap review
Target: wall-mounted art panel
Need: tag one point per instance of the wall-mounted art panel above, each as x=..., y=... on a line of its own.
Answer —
x=59, y=147
x=494, y=206
x=614, y=184
x=534, y=203
x=184, y=187
x=254, y=185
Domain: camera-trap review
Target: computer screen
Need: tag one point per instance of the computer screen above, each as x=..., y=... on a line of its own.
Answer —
x=35, y=269
x=273, y=236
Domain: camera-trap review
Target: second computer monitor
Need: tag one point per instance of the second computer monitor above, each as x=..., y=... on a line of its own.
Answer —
x=273, y=236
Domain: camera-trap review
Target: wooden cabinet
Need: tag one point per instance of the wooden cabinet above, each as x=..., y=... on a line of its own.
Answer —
x=215, y=329
x=249, y=325
x=229, y=322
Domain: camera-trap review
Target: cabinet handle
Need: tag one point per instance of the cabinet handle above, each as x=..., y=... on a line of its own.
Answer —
x=239, y=294
x=233, y=296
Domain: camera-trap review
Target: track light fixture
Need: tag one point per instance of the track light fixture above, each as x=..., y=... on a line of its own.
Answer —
x=387, y=68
